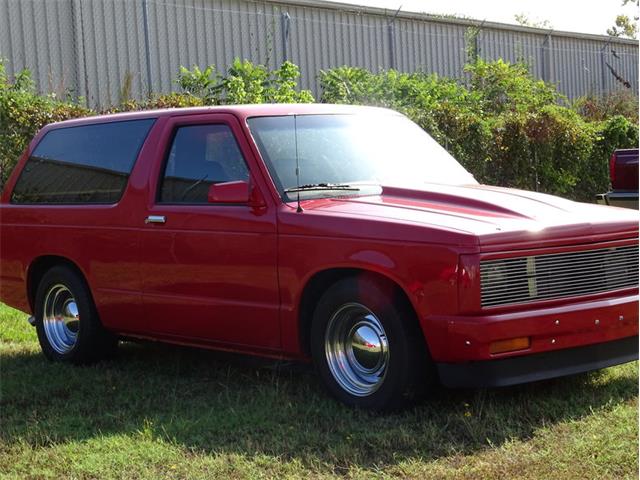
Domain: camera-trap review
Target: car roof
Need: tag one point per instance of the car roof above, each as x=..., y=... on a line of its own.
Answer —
x=241, y=111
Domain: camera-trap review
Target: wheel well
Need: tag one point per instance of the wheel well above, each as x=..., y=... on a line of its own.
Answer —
x=39, y=267
x=321, y=281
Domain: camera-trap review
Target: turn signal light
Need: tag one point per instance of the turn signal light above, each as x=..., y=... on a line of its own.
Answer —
x=510, y=345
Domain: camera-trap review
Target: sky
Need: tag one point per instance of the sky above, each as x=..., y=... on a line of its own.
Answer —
x=586, y=16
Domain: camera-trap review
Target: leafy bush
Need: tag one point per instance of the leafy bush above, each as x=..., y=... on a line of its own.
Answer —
x=204, y=84
x=23, y=113
x=244, y=83
x=168, y=100
x=507, y=128
x=441, y=106
x=543, y=150
x=602, y=107
x=504, y=86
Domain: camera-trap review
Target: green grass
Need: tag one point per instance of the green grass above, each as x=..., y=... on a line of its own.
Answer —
x=167, y=412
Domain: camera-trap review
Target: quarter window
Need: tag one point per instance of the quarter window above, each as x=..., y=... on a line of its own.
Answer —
x=83, y=164
x=200, y=156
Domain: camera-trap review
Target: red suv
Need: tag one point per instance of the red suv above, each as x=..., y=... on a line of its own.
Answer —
x=342, y=234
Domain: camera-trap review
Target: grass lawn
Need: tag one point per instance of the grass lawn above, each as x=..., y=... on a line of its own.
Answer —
x=167, y=412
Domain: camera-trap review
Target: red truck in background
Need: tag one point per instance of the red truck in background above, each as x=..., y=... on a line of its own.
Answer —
x=623, y=172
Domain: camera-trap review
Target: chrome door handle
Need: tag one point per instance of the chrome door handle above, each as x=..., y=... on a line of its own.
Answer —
x=155, y=219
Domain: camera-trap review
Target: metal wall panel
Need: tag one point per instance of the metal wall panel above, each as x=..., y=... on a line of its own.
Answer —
x=39, y=36
x=321, y=39
x=513, y=47
x=430, y=47
x=205, y=32
x=110, y=48
x=577, y=66
x=94, y=48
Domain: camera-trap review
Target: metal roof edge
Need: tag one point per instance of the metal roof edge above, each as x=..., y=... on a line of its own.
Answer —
x=364, y=9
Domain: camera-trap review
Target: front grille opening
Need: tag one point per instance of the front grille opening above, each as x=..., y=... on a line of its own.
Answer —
x=558, y=275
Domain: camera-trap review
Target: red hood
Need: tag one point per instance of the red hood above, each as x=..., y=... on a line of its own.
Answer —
x=494, y=216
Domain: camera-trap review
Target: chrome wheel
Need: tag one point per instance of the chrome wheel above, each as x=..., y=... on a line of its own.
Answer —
x=356, y=349
x=60, y=318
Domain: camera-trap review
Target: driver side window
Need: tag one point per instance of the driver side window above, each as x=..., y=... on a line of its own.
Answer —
x=200, y=156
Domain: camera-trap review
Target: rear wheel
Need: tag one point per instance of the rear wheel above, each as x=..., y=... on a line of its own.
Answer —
x=67, y=322
x=367, y=346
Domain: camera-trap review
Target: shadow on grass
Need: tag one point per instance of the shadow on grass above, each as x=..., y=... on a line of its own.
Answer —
x=213, y=402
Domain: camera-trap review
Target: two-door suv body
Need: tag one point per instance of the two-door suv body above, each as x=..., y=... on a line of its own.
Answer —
x=342, y=234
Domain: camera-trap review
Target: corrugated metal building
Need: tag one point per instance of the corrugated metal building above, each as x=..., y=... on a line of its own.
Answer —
x=93, y=48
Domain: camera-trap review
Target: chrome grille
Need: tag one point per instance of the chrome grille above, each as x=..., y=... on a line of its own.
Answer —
x=557, y=275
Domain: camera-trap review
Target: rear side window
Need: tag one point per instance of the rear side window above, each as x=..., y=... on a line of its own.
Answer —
x=84, y=164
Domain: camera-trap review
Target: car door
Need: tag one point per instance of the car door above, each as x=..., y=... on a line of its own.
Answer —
x=209, y=270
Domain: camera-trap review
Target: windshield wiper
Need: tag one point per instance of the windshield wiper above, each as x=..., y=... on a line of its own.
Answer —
x=311, y=187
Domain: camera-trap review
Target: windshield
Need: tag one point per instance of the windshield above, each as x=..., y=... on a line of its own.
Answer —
x=363, y=150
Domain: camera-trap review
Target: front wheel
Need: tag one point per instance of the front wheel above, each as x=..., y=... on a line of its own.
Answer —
x=367, y=346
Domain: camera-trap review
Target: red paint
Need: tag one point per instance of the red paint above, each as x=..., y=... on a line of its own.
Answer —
x=623, y=169
x=229, y=192
x=230, y=275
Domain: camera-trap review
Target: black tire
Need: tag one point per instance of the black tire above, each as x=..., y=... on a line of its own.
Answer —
x=409, y=370
x=92, y=342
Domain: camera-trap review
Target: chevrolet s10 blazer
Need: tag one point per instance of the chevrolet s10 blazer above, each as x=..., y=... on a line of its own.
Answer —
x=344, y=235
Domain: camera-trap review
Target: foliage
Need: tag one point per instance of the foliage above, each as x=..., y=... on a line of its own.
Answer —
x=506, y=86
x=525, y=21
x=127, y=86
x=244, y=83
x=506, y=127
x=601, y=107
x=625, y=25
x=471, y=43
x=205, y=84
x=23, y=113
x=413, y=92
x=168, y=100
x=282, y=88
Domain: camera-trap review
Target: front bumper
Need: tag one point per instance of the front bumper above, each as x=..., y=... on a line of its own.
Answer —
x=467, y=338
x=463, y=355
x=540, y=366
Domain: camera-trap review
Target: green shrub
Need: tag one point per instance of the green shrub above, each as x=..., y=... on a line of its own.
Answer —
x=204, y=84
x=504, y=86
x=244, y=83
x=539, y=150
x=169, y=100
x=507, y=128
x=441, y=106
x=602, y=107
x=23, y=113
x=615, y=132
